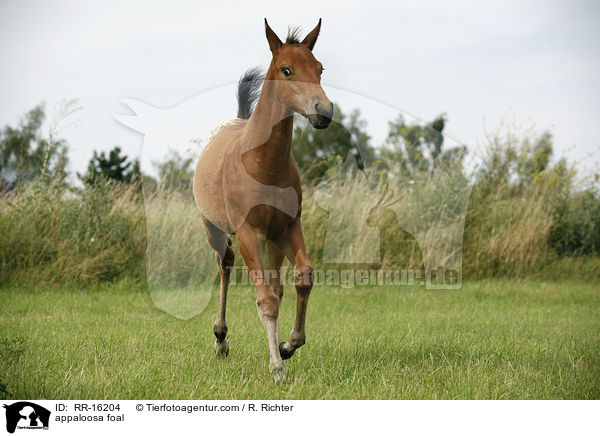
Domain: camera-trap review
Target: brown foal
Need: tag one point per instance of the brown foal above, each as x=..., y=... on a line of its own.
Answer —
x=247, y=183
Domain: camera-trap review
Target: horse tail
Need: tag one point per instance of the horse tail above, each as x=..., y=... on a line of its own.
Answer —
x=248, y=91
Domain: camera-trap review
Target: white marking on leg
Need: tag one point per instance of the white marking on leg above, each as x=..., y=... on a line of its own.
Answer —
x=277, y=365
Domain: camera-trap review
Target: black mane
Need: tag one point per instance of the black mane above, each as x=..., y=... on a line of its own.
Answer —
x=293, y=36
x=248, y=91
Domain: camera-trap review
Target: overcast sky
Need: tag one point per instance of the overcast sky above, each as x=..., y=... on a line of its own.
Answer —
x=477, y=61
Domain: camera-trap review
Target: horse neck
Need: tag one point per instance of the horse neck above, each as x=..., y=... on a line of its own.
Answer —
x=271, y=126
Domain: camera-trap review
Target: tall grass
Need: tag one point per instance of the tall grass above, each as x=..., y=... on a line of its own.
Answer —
x=508, y=237
x=180, y=263
x=497, y=226
x=53, y=236
x=392, y=223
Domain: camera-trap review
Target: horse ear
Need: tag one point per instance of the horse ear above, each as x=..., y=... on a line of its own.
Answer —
x=274, y=41
x=311, y=38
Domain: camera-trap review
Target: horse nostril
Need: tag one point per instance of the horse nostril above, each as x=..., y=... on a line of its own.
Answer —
x=327, y=112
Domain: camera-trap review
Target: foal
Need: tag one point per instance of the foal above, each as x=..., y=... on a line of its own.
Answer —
x=247, y=183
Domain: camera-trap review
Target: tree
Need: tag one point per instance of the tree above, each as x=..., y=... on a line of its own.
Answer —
x=176, y=172
x=412, y=149
x=112, y=167
x=517, y=160
x=315, y=151
x=26, y=154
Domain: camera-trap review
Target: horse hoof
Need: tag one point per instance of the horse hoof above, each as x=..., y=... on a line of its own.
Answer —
x=221, y=348
x=278, y=371
x=284, y=351
x=279, y=378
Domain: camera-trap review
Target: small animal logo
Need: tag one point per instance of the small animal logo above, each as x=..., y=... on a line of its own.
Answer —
x=26, y=415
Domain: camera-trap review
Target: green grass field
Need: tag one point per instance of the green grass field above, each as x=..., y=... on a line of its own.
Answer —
x=496, y=339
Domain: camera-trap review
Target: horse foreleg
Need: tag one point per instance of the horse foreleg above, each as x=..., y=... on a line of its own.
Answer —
x=276, y=258
x=303, y=277
x=252, y=244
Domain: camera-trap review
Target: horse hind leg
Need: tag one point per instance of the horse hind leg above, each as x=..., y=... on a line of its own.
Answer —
x=221, y=243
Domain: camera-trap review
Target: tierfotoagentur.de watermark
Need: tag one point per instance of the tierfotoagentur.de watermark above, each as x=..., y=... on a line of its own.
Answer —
x=350, y=277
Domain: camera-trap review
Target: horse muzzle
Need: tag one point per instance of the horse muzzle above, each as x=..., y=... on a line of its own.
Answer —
x=319, y=121
x=321, y=118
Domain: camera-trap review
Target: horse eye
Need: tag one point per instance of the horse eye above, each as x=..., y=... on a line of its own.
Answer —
x=286, y=71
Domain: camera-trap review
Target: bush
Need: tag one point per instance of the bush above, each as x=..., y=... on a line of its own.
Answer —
x=57, y=236
x=577, y=228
